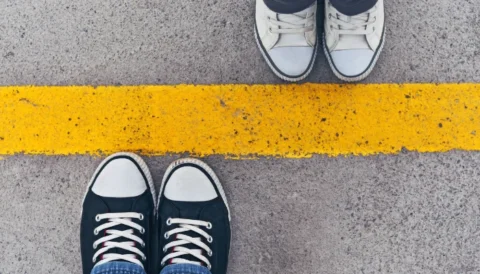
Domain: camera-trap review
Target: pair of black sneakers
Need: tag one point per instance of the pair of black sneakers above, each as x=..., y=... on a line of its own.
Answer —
x=122, y=219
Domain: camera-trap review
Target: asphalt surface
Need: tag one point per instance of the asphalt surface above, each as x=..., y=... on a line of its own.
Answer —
x=409, y=213
x=63, y=42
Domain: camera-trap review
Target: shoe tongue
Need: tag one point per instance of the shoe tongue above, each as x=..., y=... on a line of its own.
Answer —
x=121, y=205
x=292, y=18
x=347, y=41
x=189, y=210
x=292, y=39
x=192, y=211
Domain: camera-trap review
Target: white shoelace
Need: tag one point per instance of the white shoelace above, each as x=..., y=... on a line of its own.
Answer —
x=108, y=241
x=291, y=23
x=353, y=25
x=177, y=248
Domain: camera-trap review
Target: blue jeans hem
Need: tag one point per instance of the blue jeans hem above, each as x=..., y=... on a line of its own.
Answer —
x=185, y=269
x=118, y=268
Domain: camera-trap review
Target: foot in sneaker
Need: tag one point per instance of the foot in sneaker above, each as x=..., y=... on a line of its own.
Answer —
x=288, y=42
x=353, y=44
x=117, y=224
x=193, y=220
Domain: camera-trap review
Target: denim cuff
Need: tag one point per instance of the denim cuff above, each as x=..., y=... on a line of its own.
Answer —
x=354, y=7
x=185, y=269
x=118, y=268
x=288, y=6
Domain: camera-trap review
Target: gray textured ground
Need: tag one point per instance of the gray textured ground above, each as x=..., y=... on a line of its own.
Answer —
x=95, y=42
x=386, y=214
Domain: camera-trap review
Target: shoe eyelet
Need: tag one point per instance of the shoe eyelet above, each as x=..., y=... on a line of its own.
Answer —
x=95, y=232
x=166, y=236
x=140, y=217
x=210, y=239
x=163, y=263
x=142, y=231
x=144, y=258
x=210, y=253
x=97, y=218
x=209, y=225
x=164, y=250
x=94, y=260
x=143, y=244
x=169, y=221
x=209, y=267
x=94, y=246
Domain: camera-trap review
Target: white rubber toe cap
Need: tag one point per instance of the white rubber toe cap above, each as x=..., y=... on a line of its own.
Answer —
x=292, y=61
x=120, y=178
x=189, y=184
x=352, y=62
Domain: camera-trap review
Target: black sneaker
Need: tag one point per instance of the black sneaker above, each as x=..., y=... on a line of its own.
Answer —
x=118, y=214
x=193, y=217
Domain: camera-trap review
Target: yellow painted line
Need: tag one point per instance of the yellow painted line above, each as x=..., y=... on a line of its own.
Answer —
x=240, y=120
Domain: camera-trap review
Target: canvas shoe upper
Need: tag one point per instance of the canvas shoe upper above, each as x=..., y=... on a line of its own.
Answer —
x=287, y=41
x=118, y=214
x=353, y=44
x=193, y=218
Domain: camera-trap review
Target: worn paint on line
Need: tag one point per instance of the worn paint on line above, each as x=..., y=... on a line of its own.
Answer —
x=240, y=120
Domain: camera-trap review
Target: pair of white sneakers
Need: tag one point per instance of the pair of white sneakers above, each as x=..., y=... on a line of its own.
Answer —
x=289, y=42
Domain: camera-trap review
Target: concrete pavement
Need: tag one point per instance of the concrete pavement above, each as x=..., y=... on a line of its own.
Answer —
x=410, y=213
x=60, y=42
x=407, y=213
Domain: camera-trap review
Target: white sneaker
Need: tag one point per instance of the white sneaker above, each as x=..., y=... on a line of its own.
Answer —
x=287, y=41
x=353, y=44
